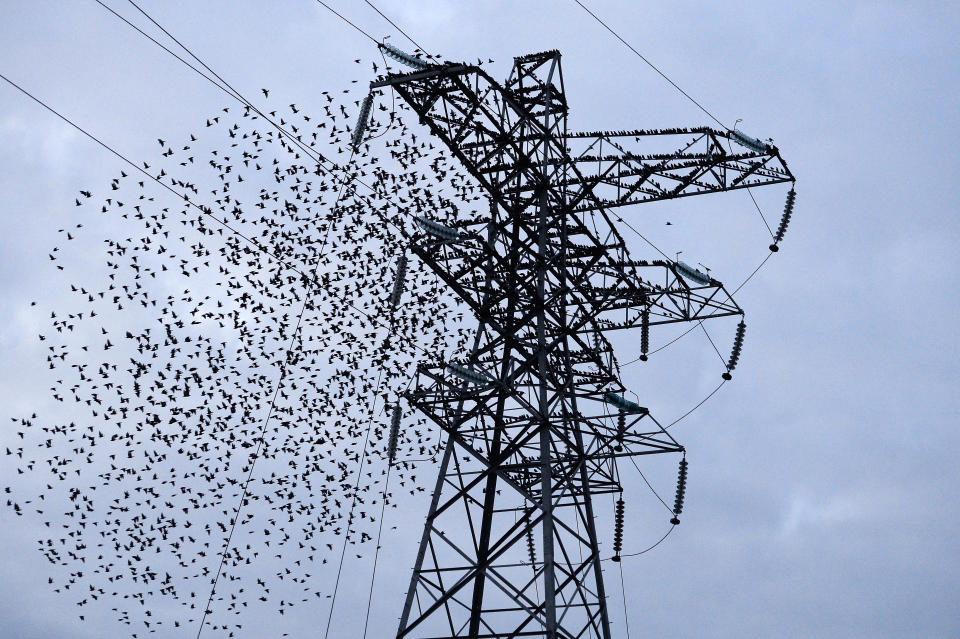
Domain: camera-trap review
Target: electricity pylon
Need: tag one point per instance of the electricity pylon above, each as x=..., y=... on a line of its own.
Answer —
x=535, y=415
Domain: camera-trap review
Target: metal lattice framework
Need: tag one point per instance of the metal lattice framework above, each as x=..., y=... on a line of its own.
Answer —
x=510, y=548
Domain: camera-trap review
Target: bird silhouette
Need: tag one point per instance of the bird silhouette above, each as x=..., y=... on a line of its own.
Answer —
x=244, y=327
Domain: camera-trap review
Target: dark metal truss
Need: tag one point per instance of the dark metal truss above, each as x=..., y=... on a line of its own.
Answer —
x=509, y=548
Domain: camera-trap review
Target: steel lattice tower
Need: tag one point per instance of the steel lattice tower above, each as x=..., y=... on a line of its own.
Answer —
x=535, y=415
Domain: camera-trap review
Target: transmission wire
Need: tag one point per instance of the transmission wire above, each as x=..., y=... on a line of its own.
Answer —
x=415, y=43
x=657, y=248
x=229, y=90
x=762, y=216
x=646, y=550
x=179, y=196
x=259, y=249
x=356, y=487
x=226, y=87
x=623, y=591
x=376, y=553
x=649, y=485
x=263, y=428
x=651, y=65
x=334, y=12
x=750, y=277
x=702, y=402
x=704, y=329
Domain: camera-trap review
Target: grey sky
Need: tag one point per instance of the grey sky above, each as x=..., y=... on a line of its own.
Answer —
x=821, y=499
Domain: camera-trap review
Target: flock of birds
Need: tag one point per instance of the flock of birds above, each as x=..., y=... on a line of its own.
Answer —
x=225, y=368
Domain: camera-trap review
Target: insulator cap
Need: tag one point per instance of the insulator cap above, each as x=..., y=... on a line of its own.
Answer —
x=531, y=549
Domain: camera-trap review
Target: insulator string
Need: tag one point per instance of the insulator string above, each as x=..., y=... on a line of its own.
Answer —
x=737, y=347
x=394, y=433
x=363, y=118
x=398, y=283
x=618, y=529
x=681, y=491
x=785, y=219
x=621, y=429
x=644, y=334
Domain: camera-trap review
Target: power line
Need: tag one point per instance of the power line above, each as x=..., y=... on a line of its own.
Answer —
x=259, y=249
x=646, y=550
x=256, y=456
x=376, y=552
x=334, y=12
x=702, y=402
x=405, y=35
x=650, y=64
x=704, y=329
x=750, y=277
x=226, y=87
x=273, y=401
x=313, y=154
x=180, y=196
x=356, y=487
x=293, y=337
x=762, y=216
x=642, y=237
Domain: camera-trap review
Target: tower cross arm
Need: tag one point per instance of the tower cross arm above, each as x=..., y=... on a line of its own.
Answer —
x=621, y=168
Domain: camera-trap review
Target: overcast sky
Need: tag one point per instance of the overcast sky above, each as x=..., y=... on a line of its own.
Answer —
x=822, y=492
